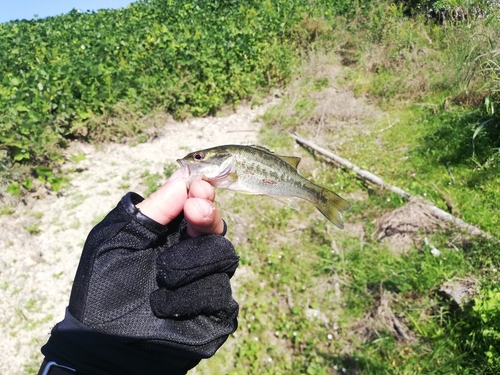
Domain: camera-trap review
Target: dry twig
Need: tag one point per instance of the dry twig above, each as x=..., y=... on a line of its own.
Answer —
x=435, y=211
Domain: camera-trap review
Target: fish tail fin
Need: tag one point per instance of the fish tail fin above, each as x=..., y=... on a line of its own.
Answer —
x=331, y=205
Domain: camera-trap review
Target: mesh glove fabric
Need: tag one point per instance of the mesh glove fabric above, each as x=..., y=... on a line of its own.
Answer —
x=146, y=299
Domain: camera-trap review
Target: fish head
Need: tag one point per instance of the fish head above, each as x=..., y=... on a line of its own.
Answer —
x=211, y=165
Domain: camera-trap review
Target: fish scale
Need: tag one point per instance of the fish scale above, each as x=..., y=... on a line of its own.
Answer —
x=256, y=170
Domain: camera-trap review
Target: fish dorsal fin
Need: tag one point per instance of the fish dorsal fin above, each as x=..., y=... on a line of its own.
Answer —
x=262, y=148
x=292, y=160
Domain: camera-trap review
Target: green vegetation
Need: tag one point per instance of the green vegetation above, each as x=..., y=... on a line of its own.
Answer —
x=314, y=300
x=379, y=311
x=6, y=210
x=79, y=75
x=33, y=229
x=152, y=181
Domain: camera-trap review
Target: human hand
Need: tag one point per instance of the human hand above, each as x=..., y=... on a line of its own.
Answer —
x=146, y=298
x=165, y=204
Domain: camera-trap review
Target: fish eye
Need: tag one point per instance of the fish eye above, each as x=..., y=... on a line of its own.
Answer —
x=199, y=156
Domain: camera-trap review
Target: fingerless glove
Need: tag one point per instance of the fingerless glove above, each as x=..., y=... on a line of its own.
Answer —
x=146, y=299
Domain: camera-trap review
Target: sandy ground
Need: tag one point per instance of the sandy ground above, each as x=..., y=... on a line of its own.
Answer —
x=37, y=269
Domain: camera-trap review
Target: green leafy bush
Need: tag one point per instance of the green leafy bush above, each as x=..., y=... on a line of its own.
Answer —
x=487, y=307
x=453, y=10
x=475, y=333
x=188, y=58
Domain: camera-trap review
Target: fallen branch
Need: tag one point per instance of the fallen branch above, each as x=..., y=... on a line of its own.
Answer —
x=435, y=211
x=346, y=163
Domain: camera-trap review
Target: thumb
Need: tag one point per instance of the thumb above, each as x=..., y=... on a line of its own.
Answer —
x=167, y=202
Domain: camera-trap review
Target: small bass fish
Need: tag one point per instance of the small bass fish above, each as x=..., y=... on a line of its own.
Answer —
x=256, y=170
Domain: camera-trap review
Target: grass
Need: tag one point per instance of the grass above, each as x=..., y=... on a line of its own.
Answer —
x=33, y=229
x=152, y=181
x=317, y=300
x=6, y=210
x=296, y=269
x=298, y=263
x=422, y=143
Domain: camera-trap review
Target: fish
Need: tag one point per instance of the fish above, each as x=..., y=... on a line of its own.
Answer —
x=256, y=170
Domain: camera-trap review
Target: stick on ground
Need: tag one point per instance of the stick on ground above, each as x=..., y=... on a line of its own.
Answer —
x=435, y=211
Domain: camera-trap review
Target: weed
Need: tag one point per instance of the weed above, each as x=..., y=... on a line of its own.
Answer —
x=33, y=229
x=91, y=93
x=6, y=210
x=314, y=299
x=78, y=200
x=78, y=157
x=365, y=270
x=152, y=181
x=58, y=275
x=169, y=169
x=36, y=215
x=75, y=224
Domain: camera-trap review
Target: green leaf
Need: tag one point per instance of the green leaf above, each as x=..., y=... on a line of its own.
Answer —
x=44, y=172
x=28, y=183
x=21, y=108
x=22, y=155
x=84, y=114
x=56, y=182
x=14, y=189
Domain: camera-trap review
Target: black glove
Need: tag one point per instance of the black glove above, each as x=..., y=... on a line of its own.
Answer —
x=146, y=298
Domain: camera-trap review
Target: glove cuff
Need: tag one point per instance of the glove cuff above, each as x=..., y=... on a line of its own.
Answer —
x=74, y=345
x=129, y=202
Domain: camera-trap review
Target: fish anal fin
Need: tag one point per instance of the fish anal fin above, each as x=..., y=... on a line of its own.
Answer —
x=291, y=202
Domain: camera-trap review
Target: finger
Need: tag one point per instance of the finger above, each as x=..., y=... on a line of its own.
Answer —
x=202, y=217
x=202, y=189
x=167, y=202
x=195, y=258
x=208, y=296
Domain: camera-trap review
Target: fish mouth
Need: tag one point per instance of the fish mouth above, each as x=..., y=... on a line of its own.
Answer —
x=186, y=171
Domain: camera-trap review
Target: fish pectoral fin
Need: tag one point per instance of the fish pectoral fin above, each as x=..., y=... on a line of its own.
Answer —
x=291, y=202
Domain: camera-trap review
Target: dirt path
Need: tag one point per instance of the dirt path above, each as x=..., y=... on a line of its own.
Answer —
x=36, y=269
